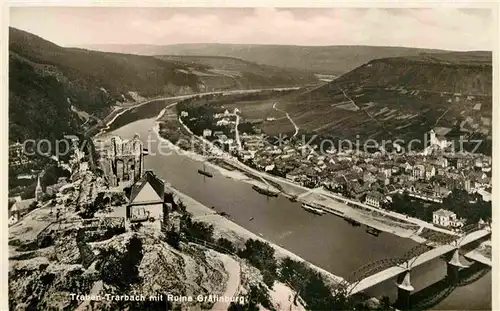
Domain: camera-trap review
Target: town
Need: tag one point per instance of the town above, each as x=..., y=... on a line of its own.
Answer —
x=417, y=183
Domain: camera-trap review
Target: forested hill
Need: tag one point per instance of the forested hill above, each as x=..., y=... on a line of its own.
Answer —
x=54, y=89
x=45, y=80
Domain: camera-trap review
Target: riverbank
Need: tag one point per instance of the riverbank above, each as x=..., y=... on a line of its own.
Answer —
x=224, y=227
x=368, y=218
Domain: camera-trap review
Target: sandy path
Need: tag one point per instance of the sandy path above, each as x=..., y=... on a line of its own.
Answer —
x=233, y=269
x=283, y=297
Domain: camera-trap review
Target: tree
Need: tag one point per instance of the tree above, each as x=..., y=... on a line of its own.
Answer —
x=226, y=244
x=196, y=229
x=261, y=255
x=309, y=284
x=256, y=296
x=173, y=239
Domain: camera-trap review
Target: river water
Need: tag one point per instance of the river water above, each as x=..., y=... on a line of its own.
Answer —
x=326, y=241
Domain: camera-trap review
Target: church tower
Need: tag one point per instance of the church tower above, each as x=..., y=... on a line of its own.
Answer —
x=38, y=190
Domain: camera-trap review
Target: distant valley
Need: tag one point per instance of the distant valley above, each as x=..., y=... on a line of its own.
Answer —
x=335, y=60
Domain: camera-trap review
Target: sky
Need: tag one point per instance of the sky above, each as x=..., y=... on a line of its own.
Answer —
x=440, y=28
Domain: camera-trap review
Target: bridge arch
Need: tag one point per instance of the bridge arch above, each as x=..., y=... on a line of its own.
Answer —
x=407, y=260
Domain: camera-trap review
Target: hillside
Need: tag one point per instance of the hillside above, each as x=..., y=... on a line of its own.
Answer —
x=334, y=60
x=46, y=80
x=53, y=90
x=218, y=72
x=402, y=97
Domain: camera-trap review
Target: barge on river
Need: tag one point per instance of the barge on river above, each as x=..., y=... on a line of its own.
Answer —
x=313, y=210
x=264, y=191
x=205, y=172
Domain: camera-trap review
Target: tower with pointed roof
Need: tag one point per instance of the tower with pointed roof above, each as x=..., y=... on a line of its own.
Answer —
x=38, y=190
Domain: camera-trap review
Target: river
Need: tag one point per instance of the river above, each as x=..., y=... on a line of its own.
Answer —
x=326, y=241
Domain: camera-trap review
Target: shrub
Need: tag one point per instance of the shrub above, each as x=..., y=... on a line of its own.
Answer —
x=226, y=244
x=261, y=255
x=196, y=229
x=173, y=239
x=311, y=286
x=256, y=296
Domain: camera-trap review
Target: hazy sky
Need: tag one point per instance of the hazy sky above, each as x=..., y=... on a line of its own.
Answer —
x=445, y=28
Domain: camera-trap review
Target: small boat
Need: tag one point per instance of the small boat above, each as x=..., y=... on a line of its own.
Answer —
x=373, y=231
x=250, y=219
x=204, y=172
x=145, y=151
x=313, y=210
x=263, y=191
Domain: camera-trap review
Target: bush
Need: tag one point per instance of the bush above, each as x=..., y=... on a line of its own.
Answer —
x=256, y=296
x=196, y=229
x=311, y=286
x=173, y=239
x=261, y=255
x=46, y=197
x=226, y=244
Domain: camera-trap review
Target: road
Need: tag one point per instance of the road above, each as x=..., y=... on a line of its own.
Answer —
x=323, y=192
x=416, y=221
x=233, y=283
x=237, y=132
x=350, y=99
x=289, y=118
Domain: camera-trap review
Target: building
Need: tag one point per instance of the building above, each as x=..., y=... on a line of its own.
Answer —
x=19, y=209
x=122, y=160
x=207, y=132
x=146, y=203
x=430, y=171
x=439, y=142
x=374, y=199
x=418, y=172
x=38, y=190
x=444, y=218
x=17, y=155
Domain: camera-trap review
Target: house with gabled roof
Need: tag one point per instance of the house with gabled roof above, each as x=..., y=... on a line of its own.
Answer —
x=445, y=218
x=146, y=202
x=19, y=209
x=374, y=198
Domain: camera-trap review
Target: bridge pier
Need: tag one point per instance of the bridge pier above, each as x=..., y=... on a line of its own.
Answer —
x=453, y=267
x=404, y=291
